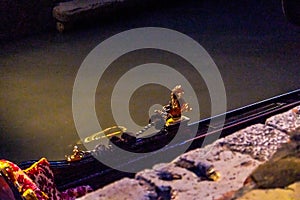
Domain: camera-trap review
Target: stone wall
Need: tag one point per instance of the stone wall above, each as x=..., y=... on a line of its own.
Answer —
x=233, y=163
x=26, y=17
x=21, y=18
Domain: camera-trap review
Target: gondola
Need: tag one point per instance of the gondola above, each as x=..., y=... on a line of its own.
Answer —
x=83, y=167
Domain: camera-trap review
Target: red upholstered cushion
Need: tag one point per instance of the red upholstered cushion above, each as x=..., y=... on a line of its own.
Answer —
x=42, y=175
x=21, y=181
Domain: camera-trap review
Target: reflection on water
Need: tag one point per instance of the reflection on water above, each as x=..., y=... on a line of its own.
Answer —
x=257, y=54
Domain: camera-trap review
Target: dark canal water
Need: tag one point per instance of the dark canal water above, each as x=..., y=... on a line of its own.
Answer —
x=256, y=50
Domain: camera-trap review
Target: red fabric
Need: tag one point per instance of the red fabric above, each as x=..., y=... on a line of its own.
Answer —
x=21, y=180
x=73, y=193
x=40, y=178
x=41, y=173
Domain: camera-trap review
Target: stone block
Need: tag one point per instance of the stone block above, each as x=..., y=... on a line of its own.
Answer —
x=288, y=121
x=288, y=193
x=234, y=168
x=260, y=141
x=125, y=189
